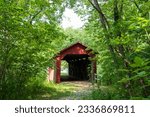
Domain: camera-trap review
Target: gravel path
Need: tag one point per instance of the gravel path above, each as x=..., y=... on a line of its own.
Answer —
x=81, y=91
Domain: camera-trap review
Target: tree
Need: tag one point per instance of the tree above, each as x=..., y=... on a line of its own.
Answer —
x=27, y=30
x=122, y=31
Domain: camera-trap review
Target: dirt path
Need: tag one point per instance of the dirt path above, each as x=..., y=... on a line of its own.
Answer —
x=81, y=90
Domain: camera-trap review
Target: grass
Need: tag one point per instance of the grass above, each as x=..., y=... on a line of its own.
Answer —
x=49, y=91
x=103, y=93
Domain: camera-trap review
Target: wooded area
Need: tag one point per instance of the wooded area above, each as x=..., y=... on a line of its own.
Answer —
x=117, y=30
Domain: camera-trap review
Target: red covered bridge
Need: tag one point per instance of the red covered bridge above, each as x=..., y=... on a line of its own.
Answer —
x=81, y=63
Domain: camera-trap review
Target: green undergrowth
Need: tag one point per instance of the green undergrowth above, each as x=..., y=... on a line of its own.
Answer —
x=105, y=93
x=50, y=91
x=112, y=93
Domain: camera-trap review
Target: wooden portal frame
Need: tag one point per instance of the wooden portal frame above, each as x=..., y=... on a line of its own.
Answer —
x=74, y=52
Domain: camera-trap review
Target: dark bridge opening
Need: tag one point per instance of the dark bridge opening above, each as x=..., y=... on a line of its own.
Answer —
x=81, y=63
x=79, y=67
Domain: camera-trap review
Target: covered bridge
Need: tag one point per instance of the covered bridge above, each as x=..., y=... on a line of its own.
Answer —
x=81, y=62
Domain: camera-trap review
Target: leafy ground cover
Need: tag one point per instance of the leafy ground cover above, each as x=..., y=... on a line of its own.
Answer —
x=71, y=90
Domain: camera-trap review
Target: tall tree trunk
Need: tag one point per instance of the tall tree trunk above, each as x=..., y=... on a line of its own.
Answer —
x=105, y=25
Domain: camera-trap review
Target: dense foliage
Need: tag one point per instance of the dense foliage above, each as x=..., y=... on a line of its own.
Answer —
x=28, y=31
x=123, y=43
x=117, y=30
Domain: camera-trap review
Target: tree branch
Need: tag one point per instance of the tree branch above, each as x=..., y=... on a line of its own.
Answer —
x=116, y=11
x=34, y=16
x=103, y=19
x=136, y=5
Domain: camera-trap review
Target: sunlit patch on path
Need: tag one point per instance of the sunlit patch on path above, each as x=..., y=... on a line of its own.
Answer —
x=81, y=90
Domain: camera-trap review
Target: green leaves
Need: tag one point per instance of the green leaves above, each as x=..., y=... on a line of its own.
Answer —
x=30, y=35
x=139, y=23
x=127, y=39
x=25, y=39
x=138, y=62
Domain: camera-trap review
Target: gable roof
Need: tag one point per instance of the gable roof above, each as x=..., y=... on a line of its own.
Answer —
x=73, y=45
x=73, y=49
